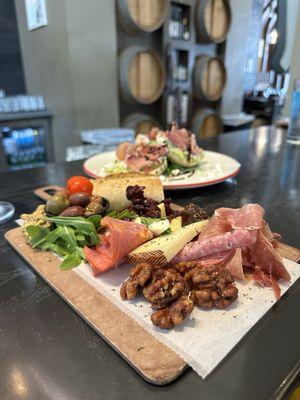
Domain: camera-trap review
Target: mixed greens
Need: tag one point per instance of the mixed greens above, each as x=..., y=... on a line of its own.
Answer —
x=67, y=239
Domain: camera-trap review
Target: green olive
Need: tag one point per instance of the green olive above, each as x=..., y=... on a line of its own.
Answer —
x=63, y=192
x=56, y=204
x=94, y=208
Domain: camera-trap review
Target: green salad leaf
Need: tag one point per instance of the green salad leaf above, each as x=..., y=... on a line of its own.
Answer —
x=86, y=226
x=67, y=239
x=123, y=214
x=70, y=261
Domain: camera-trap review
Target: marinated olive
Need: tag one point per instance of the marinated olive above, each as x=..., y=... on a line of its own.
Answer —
x=63, y=192
x=74, y=211
x=56, y=204
x=79, y=199
x=94, y=208
x=98, y=205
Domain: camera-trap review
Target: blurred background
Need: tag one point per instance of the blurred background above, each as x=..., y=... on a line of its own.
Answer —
x=72, y=69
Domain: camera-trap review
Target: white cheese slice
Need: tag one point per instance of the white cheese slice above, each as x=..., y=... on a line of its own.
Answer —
x=164, y=248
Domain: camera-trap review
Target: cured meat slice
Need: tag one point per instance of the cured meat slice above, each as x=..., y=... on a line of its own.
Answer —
x=261, y=278
x=214, y=244
x=235, y=265
x=216, y=259
x=120, y=238
x=250, y=216
x=215, y=226
x=264, y=256
x=246, y=258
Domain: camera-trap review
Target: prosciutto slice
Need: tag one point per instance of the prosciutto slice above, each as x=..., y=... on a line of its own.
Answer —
x=215, y=226
x=264, y=255
x=119, y=239
x=250, y=216
x=262, y=279
x=214, y=244
x=235, y=265
x=216, y=259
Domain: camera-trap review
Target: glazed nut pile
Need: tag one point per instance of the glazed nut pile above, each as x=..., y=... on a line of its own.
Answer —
x=174, y=289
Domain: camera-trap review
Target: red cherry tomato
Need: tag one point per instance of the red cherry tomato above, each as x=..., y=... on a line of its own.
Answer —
x=79, y=184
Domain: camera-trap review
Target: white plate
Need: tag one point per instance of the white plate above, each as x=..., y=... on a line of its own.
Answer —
x=215, y=168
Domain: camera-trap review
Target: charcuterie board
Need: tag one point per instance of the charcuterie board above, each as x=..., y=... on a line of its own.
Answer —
x=137, y=346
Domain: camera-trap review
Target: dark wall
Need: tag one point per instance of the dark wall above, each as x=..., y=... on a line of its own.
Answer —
x=11, y=69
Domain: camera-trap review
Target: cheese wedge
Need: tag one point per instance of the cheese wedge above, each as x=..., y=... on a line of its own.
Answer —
x=162, y=249
x=176, y=224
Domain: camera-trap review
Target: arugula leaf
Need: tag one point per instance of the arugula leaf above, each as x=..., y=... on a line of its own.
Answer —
x=36, y=234
x=96, y=220
x=56, y=248
x=67, y=239
x=122, y=214
x=85, y=226
x=70, y=261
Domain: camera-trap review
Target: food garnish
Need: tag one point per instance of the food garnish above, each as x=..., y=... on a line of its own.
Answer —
x=67, y=239
x=125, y=214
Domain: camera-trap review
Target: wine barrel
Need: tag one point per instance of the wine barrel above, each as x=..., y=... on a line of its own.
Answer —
x=209, y=78
x=213, y=19
x=138, y=16
x=206, y=123
x=140, y=122
x=141, y=75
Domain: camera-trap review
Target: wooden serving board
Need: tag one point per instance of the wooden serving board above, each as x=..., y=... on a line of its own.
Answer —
x=155, y=362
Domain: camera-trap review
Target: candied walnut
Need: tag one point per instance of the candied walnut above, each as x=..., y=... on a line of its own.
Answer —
x=192, y=213
x=212, y=286
x=174, y=315
x=162, y=319
x=139, y=276
x=165, y=290
x=185, y=266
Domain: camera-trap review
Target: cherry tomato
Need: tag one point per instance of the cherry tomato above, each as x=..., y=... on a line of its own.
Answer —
x=78, y=184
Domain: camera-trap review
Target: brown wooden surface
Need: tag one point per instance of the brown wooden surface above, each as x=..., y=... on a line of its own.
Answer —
x=155, y=362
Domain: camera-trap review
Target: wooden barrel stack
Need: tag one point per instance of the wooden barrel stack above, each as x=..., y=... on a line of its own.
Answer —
x=213, y=18
x=142, y=46
x=142, y=74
